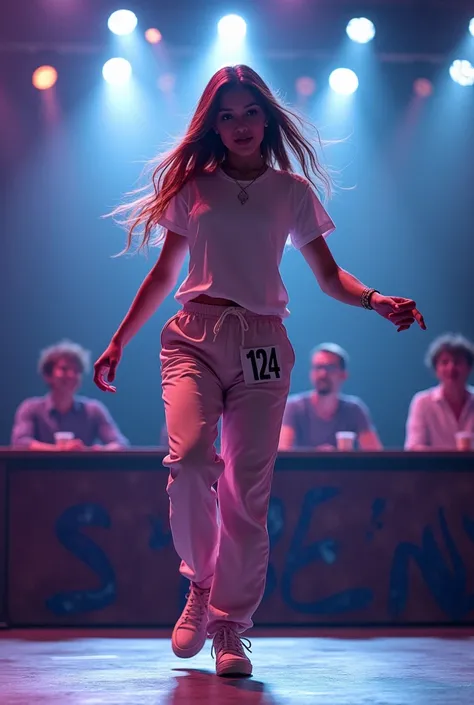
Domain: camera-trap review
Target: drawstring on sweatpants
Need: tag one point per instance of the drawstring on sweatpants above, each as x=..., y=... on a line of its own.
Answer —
x=232, y=311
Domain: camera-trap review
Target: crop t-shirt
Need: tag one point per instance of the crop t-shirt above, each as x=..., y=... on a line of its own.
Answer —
x=235, y=250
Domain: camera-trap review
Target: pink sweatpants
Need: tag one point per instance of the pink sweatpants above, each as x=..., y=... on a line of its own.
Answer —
x=223, y=544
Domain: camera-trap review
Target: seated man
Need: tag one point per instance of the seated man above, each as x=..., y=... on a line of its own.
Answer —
x=37, y=419
x=312, y=419
x=438, y=413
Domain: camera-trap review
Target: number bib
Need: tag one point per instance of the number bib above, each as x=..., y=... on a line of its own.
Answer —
x=260, y=364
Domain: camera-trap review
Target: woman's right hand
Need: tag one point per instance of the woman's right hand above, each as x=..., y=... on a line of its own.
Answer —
x=106, y=365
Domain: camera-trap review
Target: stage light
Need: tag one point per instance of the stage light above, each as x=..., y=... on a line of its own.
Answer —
x=462, y=72
x=44, y=77
x=360, y=30
x=423, y=87
x=305, y=86
x=153, y=35
x=117, y=71
x=344, y=81
x=471, y=26
x=232, y=29
x=122, y=22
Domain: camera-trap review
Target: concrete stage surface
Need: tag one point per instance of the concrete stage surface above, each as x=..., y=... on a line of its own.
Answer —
x=331, y=667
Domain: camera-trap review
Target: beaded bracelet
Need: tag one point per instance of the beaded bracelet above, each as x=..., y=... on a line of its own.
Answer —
x=366, y=296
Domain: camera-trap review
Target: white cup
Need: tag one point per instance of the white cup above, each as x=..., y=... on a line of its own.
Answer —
x=61, y=437
x=345, y=440
x=464, y=440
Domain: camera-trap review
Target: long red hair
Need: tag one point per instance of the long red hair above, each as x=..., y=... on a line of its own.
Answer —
x=201, y=150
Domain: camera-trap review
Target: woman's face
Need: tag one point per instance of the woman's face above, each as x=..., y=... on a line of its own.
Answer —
x=240, y=122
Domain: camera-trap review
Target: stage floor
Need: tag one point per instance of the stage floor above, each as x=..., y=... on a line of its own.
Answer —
x=127, y=668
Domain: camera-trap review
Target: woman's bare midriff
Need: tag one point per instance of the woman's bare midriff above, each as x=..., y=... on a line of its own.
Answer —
x=212, y=301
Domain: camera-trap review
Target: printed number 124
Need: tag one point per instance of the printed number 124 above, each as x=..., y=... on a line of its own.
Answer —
x=264, y=362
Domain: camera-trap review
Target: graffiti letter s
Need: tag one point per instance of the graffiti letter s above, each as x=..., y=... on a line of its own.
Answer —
x=68, y=532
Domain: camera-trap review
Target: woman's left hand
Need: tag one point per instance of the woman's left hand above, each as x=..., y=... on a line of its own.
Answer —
x=399, y=311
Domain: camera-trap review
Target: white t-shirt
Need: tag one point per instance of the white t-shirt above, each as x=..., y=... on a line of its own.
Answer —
x=235, y=250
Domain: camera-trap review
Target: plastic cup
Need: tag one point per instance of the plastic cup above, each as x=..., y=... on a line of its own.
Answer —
x=345, y=440
x=62, y=437
x=464, y=440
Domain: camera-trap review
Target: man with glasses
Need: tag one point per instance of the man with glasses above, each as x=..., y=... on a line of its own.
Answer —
x=313, y=418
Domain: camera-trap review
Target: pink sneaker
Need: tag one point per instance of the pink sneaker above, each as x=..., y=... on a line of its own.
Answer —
x=190, y=632
x=231, y=659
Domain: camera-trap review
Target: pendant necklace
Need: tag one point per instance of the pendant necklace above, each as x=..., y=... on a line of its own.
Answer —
x=243, y=195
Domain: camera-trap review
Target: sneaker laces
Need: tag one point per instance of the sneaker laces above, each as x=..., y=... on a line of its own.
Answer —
x=227, y=640
x=196, y=605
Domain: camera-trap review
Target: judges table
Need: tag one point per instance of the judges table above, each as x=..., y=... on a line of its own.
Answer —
x=356, y=539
